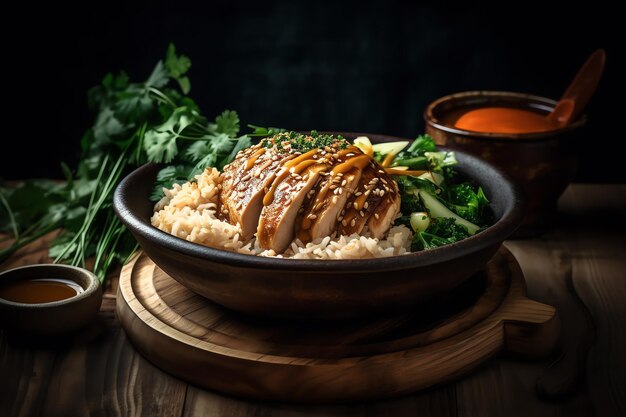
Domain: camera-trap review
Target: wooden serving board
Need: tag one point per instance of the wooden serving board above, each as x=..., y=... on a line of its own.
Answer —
x=332, y=361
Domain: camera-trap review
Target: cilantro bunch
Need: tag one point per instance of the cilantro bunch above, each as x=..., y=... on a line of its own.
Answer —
x=136, y=123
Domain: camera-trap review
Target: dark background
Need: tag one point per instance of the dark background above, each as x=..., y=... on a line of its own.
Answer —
x=318, y=65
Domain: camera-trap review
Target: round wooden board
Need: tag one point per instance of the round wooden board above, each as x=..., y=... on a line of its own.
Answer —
x=331, y=361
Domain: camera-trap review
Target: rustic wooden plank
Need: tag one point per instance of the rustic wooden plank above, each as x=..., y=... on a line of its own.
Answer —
x=102, y=377
x=599, y=279
x=506, y=387
x=438, y=402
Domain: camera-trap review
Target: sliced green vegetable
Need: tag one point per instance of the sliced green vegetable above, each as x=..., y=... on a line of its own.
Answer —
x=438, y=209
x=390, y=147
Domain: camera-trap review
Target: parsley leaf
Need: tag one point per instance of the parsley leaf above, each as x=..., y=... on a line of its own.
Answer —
x=228, y=123
x=177, y=67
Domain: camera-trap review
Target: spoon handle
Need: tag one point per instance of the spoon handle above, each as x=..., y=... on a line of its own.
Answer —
x=580, y=90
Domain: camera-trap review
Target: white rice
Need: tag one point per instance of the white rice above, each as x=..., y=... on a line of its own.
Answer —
x=188, y=212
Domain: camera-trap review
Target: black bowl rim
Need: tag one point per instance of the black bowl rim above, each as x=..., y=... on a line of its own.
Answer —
x=431, y=120
x=495, y=234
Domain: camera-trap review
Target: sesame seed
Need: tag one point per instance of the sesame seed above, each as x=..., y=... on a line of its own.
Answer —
x=343, y=183
x=340, y=218
x=344, y=222
x=340, y=190
x=380, y=171
x=382, y=193
x=376, y=215
x=340, y=174
x=246, y=178
x=356, y=205
x=332, y=187
x=353, y=222
x=361, y=213
x=366, y=205
x=349, y=154
x=360, y=193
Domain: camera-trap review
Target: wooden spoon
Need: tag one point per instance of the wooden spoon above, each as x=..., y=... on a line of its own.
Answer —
x=579, y=91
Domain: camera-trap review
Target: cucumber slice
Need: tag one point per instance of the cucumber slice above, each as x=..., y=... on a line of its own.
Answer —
x=437, y=209
x=390, y=147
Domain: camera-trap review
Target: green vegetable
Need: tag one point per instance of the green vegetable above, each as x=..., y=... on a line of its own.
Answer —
x=437, y=209
x=389, y=147
x=303, y=142
x=441, y=231
x=150, y=121
x=467, y=203
x=420, y=221
x=454, y=211
x=423, y=155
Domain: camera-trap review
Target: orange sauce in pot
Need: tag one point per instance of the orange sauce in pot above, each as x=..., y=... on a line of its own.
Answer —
x=504, y=120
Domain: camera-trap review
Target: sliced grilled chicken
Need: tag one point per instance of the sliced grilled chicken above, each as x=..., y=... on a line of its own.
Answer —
x=379, y=223
x=370, y=200
x=311, y=186
x=321, y=215
x=244, y=184
x=277, y=220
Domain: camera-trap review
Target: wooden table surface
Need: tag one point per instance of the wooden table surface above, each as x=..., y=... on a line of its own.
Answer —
x=579, y=266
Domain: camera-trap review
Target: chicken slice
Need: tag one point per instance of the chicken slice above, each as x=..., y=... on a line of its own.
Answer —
x=243, y=189
x=276, y=228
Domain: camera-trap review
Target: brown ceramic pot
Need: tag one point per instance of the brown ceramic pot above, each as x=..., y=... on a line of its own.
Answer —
x=542, y=164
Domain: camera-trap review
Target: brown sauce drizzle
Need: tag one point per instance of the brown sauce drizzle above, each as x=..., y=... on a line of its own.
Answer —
x=336, y=165
x=250, y=162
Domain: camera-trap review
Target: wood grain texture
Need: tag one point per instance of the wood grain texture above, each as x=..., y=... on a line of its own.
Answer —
x=209, y=346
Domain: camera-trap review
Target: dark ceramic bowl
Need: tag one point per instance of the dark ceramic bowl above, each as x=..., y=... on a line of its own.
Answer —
x=57, y=317
x=542, y=164
x=291, y=288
